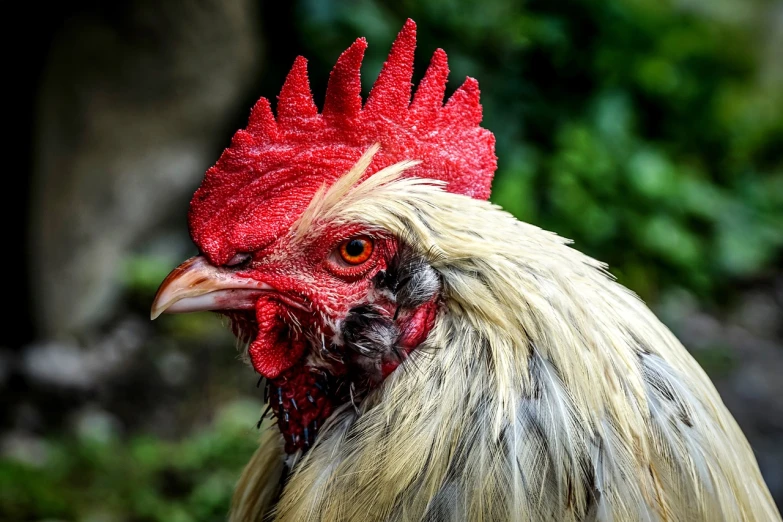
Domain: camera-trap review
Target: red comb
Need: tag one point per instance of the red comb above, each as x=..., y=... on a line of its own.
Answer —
x=265, y=179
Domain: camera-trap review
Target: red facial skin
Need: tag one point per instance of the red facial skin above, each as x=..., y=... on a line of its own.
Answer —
x=321, y=286
x=317, y=291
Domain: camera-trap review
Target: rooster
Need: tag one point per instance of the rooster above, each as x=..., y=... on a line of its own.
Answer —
x=426, y=355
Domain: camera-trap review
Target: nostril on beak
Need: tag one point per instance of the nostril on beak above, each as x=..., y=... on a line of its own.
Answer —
x=239, y=259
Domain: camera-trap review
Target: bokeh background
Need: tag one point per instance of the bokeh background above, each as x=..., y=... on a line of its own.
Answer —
x=649, y=131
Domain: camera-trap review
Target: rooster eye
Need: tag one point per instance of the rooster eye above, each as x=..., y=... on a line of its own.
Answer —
x=356, y=250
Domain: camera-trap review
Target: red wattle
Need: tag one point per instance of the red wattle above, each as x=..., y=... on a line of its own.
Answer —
x=276, y=347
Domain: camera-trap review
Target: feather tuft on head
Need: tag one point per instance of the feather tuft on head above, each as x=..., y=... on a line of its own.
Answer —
x=264, y=181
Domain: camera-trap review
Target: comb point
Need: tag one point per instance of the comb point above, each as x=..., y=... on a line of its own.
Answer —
x=295, y=100
x=344, y=90
x=465, y=103
x=262, y=120
x=432, y=88
x=391, y=93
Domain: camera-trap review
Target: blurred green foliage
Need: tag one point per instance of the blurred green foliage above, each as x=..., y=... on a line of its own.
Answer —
x=95, y=476
x=641, y=129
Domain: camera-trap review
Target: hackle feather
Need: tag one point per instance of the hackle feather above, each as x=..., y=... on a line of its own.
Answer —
x=545, y=391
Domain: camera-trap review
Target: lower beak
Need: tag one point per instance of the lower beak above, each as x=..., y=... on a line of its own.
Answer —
x=196, y=286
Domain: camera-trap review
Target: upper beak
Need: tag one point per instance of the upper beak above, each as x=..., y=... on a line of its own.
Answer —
x=196, y=286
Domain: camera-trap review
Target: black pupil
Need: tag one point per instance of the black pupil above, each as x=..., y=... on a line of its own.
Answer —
x=355, y=247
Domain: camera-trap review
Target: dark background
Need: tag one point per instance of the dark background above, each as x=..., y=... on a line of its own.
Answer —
x=649, y=131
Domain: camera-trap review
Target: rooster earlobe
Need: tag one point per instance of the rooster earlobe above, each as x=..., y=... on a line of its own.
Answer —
x=295, y=100
x=344, y=90
x=391, y=94
x=432, y=88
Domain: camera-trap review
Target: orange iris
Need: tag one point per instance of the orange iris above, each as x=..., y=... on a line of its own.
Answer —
x=356, y=250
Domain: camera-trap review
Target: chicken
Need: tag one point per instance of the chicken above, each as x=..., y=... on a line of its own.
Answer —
x=426, y=355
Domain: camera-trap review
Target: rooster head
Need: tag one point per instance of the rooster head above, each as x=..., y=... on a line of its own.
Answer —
x=322, y=304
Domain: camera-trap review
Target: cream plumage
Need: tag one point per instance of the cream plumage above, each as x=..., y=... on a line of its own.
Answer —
x=545, y=391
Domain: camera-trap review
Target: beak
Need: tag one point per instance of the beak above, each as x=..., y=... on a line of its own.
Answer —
x=196, y=286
